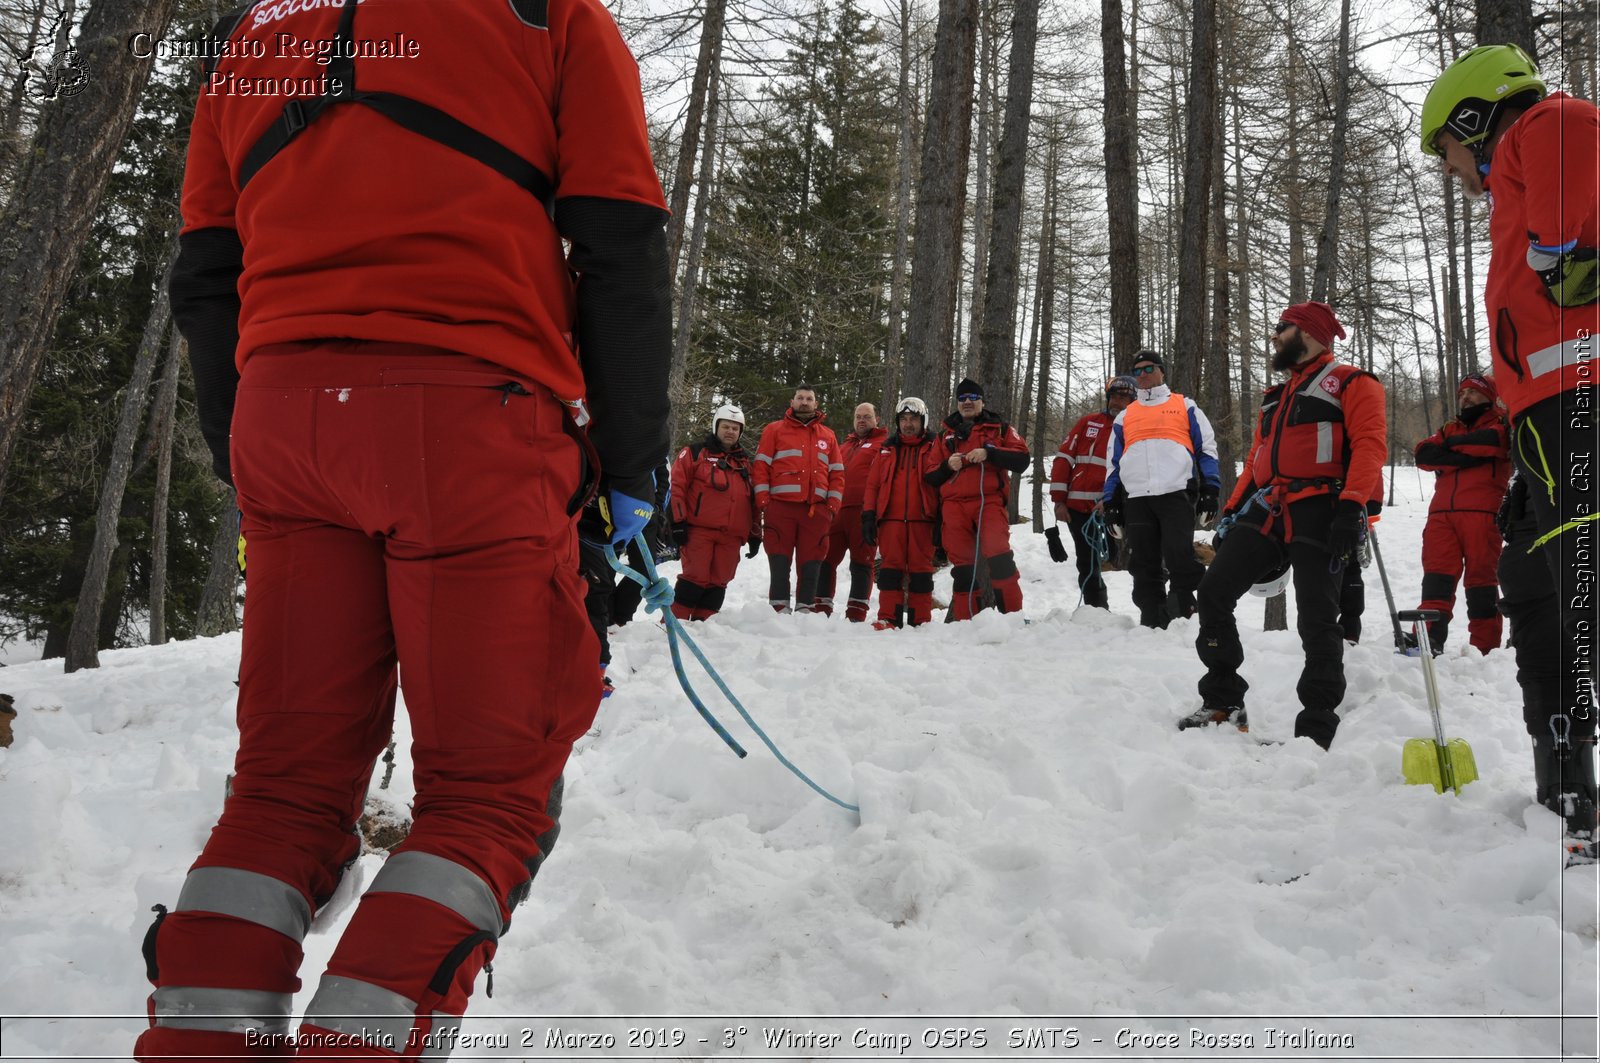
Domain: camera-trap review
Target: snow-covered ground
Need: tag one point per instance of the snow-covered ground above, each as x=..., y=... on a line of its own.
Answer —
x=1035, y=839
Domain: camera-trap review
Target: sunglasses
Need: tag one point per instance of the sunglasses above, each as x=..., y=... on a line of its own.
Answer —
x=1141, y=370
x=1281, y=327
x=969, y=397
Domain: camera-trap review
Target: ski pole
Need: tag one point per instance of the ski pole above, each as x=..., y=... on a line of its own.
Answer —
x=1383, y=574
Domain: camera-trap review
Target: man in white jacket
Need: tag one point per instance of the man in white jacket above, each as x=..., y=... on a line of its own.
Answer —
x=1163, y=472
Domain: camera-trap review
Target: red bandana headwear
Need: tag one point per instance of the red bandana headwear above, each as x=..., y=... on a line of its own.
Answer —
x=1315, y=320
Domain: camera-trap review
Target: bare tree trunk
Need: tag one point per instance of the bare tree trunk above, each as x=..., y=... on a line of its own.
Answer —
x=705, y=74
x=1047, y=269
x=1247, y=337
x=165, y=430
x=902, y=221
x=1218, y=388
x=218, y=606
x=941, y=198
x=1296, y=187
x=1469, y=309
x=63, y=177
x=83, y=639
x=997, y=341
x=1507, y=22
x=983, y=214
x=691, y=275
x=11, y=138
x=1328, y=239
x=1194, y=243
x=1122, y=193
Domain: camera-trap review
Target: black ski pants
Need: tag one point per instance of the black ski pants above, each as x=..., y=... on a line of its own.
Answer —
x=1352, y=602
x=601, y=579
x=1553, y=445
x=1244, y=557
x=1160, y=529
x=1089, y=581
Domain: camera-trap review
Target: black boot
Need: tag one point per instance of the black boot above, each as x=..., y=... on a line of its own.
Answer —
x=1564, y=780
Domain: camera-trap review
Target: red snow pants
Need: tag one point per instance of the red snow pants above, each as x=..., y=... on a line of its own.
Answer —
x=905, y=579
x=845, y=538
x=402, y=508
x=1457, y=540
x=795, y=534
x=709, y=561
x=976, y=528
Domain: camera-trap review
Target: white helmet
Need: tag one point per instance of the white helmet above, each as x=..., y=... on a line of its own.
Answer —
x=912, y=404
x=727, y=412
x=1273, y=583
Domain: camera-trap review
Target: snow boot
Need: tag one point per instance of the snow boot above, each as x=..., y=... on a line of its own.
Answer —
x=1207, y=716
x=1564, y=781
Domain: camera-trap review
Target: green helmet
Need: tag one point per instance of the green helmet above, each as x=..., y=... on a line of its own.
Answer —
x=1468, y=96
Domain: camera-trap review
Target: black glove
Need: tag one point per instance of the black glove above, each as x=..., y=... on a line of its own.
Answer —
x=754, y=543
x=1206, y=507
x=1052, y=537
x=680, y=532
x=1348, y=528
x=1113, y=512
x=869, y=528
x=1570, y=278
x=1513, y=508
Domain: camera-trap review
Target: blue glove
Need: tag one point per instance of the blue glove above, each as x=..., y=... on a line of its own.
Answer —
x=624, y=515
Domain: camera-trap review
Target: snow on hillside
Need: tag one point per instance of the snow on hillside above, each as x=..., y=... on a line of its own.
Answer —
x=1036, y=838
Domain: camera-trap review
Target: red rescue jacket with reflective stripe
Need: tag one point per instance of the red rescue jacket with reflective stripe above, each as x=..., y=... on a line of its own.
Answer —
x=712, y=488
x=990, y=479
x=1326, y=423
x=1473, y=463
x=440, y=250
x=896, y=488
x=1078, y=475
x=799, y=461
x=859, y=454
x=1542, y=185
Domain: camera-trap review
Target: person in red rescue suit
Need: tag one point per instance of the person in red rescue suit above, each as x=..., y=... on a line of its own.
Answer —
x=977, y=453
x=1315, y=464
x=713, y=515
x=799, y=482
x=1078, y=480
x=1472, y=464
x=1500, y=132
x=393, y=359
x=859, y=448
x=901, y=511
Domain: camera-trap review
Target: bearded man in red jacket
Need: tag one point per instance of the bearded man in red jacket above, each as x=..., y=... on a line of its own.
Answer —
x=1472, y=466
x=799, y=482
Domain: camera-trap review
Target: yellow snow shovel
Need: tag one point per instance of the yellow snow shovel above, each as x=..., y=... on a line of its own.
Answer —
x=1434, y=762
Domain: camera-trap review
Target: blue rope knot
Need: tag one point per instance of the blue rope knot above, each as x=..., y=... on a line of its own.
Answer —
x=657, y=596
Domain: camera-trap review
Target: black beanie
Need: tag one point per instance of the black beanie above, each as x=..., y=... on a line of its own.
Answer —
x=969, y=386
x=1147, y=356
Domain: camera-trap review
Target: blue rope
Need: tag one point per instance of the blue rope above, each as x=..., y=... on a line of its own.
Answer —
x=657, y=596
x=1098, y=537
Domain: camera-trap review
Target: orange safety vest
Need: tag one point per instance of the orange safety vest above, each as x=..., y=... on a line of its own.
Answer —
x=1169, y=420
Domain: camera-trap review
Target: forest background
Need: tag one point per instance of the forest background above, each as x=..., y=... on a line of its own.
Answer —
x=875, y=197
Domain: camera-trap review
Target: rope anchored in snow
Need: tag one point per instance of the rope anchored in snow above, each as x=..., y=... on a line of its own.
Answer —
x=657, y=595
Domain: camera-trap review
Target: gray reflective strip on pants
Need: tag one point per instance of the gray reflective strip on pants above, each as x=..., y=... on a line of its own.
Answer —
x=247, y=895
x=224, y=1010
x=1558, y=357
x=444, y=882
x=378, y=1016
x=787, y=489
x=1324, y=442
x=780, y=455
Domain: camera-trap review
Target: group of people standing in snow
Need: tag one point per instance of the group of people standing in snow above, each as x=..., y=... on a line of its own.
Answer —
x=418, y=380
x=885, y=498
